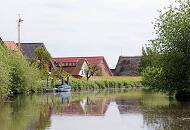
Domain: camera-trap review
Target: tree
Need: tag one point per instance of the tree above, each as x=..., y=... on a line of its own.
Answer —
x=91, y=70
x=4, y=73
x=43, y=57
x=16, y=75
x=169, y=64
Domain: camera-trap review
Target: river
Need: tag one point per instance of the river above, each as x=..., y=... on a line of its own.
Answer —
x=105, y=110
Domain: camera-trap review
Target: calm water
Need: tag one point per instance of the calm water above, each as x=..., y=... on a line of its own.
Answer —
x=109, y=110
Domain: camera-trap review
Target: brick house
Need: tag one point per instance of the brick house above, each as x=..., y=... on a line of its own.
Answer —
x=72, y=62
x=76, y=69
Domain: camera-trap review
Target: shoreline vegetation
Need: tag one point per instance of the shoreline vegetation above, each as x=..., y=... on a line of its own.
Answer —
x=165, y=65
x=17, y=74
x=105, y=82
x=100, y=83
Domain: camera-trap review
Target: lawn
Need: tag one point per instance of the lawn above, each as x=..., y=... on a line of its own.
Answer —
x=117, y=78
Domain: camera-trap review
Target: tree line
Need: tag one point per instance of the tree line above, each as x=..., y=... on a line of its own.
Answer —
x=165, y=65
x=16, y=74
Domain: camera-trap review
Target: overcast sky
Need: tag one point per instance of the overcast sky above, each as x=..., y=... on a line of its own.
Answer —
x=83, y=27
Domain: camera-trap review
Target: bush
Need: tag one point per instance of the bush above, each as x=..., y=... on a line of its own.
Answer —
x=16, y=74
x=4, y=80
x=167, y=56
x=78, y=85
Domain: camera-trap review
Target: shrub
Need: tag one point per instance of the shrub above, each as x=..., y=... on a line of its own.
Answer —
x=16, y=74
x=4, y=80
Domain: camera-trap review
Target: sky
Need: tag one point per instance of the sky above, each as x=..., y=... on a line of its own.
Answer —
x=108, y=28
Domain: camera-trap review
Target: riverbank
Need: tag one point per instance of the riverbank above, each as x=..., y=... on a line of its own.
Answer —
x=104, y=82
x=101, y=82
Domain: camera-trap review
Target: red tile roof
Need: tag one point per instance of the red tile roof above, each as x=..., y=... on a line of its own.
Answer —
x=69, y=69
x=92, y=60
x=11, y=45
x=95, y=60
x=78, y=67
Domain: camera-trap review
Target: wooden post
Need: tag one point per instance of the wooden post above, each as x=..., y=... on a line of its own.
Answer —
x=47, y=82
x=19, y=32
x=62, y=80
x=19, y=21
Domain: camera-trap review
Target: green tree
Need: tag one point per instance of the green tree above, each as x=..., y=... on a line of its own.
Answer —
x=4, y=73
x=91, y=71
x=170, y=65
x=16, y=75
x=43, y=57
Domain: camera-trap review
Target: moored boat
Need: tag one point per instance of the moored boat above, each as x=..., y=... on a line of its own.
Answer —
x=64, y=88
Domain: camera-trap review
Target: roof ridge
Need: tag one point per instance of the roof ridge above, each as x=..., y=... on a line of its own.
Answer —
x=9, y=41
x=130, y=56
x=80, y=57
x=31, y=43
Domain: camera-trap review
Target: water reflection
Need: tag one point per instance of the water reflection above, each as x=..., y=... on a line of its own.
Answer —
x=80, y=107
x=135, y=110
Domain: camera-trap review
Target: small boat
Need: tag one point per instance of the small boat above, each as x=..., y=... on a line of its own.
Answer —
x=64, y=88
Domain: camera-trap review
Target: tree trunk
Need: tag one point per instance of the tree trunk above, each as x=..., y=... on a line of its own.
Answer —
x=47, y=82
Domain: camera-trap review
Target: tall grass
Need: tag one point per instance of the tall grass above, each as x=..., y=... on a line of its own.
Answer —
x=102, y=82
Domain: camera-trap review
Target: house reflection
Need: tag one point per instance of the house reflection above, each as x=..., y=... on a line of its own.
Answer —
x=95, y=107
x=84, y=107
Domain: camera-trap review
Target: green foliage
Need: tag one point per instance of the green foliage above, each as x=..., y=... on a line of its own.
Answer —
x=92, y=70
x=150, y=58
x=59, y=72
x=16, y=75
x=78, y=85
x=43, y=57
x=167, y=67
x=4, y=80
x=23, y=76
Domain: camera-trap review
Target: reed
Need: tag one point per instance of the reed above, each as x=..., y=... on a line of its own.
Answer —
x=100, y=83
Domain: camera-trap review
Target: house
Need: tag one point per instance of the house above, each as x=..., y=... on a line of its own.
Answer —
x=76, y=69
x=72, y=62
x=11, y=45
x=127, y=66
x=28, y=50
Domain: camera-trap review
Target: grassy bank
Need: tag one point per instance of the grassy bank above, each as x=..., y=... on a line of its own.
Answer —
x=102, y=82
x=129, y=79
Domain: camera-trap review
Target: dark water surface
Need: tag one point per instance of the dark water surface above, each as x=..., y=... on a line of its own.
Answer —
x=109, y=110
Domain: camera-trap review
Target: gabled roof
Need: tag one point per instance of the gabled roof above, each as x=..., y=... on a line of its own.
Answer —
x=78, y=67
x=95, y=60
x=127, y=66
x=92, y=60
x=74, y=69
x=28, y=49
x=11, y=45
